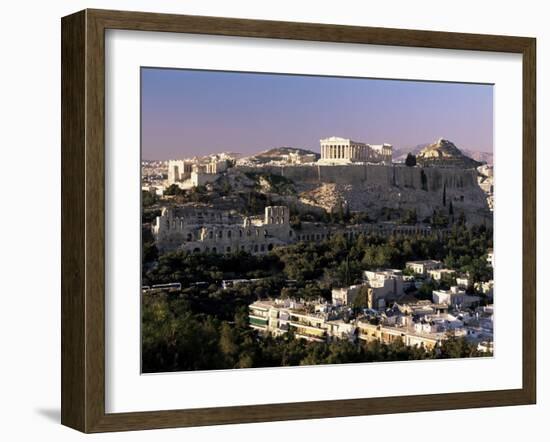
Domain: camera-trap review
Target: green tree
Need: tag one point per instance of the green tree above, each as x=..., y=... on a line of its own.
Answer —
x=457, y=347
x=410, y=161
x=341, y=216
x=426, y=289
x=361, y=300
x=228, y=344
x=410, y=217
x=173, y=189
x=148, y=198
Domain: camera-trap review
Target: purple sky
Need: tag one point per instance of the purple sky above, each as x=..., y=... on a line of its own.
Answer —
x=190, y=112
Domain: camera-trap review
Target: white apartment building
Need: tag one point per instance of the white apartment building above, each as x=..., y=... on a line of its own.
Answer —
x=453, y=297
x=422, y=267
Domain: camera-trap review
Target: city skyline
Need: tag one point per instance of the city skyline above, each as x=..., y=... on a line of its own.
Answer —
x=188, y=113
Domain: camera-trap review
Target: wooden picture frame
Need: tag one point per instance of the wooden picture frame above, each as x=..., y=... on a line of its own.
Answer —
x=83, y=220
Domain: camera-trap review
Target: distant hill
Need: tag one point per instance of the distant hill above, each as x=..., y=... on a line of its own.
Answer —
x=482, y=157
x=399, y=155
x=444, y=153
x=279, y=154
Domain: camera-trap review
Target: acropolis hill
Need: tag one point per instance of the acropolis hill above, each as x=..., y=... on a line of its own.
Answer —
x=354, y=175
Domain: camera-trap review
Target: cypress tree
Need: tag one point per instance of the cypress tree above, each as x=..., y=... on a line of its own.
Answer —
x=410, y=160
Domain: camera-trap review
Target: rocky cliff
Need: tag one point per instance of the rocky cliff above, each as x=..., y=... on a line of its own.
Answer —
x=376, y=188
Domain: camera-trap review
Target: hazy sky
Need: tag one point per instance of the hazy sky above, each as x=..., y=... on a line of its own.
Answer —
x=187, y=112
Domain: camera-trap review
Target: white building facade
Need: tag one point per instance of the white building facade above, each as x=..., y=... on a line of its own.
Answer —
x=204, y=229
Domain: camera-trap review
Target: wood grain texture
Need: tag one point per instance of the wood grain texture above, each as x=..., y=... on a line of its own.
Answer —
x=83, y=219
x=529, y=152
x=73, y=128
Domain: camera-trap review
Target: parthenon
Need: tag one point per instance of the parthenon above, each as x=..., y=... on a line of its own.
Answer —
x=336, y=150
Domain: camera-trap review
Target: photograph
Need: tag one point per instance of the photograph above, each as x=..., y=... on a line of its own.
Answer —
x=298, y=220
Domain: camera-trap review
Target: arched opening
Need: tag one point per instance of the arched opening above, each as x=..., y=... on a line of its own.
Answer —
x=196, y=250
x=270, y=247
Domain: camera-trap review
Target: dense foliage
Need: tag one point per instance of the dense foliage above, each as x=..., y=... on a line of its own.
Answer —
x=337, y=260
x=184, y=332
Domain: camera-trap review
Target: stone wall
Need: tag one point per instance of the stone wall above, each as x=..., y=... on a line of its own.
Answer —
x=381, y=175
